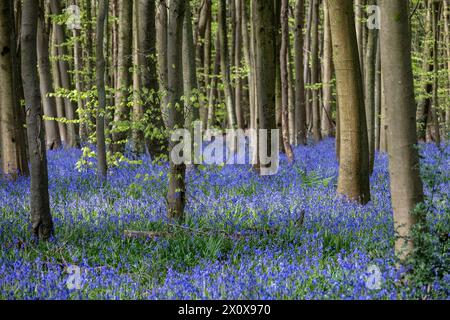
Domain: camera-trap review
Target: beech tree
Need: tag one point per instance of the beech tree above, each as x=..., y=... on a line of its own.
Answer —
x=354, y=156
x=176, y=196
x=41, y=219
x=12, y=144
x=406, y=184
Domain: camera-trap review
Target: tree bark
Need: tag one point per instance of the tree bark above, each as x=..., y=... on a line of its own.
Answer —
x=41, y=219
x=285, y=79
x=225, y=65
x=102, y=23
x=354, y=158
x=406, y=184
x=53, y=138
x=317, y=134
x=63, y=67
x=327, y=123
x=176, y=196
x=300, y=105
x=13, y=160
x=124, y=78
x=370, y=74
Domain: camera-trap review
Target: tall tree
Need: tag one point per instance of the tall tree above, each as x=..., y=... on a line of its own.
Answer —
x=100, y=80
x=161, y=51
x=157, y=144
x=12, y=144
x=437, y=5
x=176, y=196
x=41, y=218
x=354, y=157
x=316, y=128
x=53, y=138
x=327, y=91
x=285, y=78
x=370, y=76
x=300, y=106
x=124, y=57
x=63, y=67
x=265, y=74
x=237, y=63
x=225, y=64
x=189, y=70
x=406, y=184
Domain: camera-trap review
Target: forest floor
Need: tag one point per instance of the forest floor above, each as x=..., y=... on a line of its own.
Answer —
x=246, y=237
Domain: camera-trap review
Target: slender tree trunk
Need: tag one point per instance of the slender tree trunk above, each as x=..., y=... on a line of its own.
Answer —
x=72, y=139
x=435, y=111
x=102, y=23
x=12, y=144
x=77, y=69
x=378, y=90
x=60, y=105
x=425, y=104
x=176, y=196
x=213, y=92
x=300, y=105
x=327, y=123
x=370, y=74
x=207, y=69
x=147, y=35
x=237, y=64
x=138, y=111
x=360, y=26
x=41, y=219
x=447, y=42
x=189, y=71
x=354, y=157
x=285, y=79
x=161, y=50
x=53, y=138
x=225, y=65
x=315, y=71
x=406, y=184
x=265, y=68
x=124, y=80
x=291, y=84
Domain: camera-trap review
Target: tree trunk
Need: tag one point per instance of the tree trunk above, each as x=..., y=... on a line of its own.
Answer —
x=315, y=71
x=447, y=42
x=124, y=79
x=285, y=79
x=370, y=74
x=41, y=218
x=225, y=64
x=435, y=111
x=176, y=196
x=327, y=122
x=102, y=23
x=237, y=64
x=53, y=138
x=300, y=105
x=265, y=69
x=60, y=104
x=378, y=90
x=161, y=49
x=354, y=157
x=12, y=144
x=406, y=184
x=72, y=128
x=147, y=35
x=189, y=71
x=425, y=104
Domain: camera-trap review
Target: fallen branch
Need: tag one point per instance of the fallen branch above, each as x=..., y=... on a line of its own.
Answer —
x=149, y=235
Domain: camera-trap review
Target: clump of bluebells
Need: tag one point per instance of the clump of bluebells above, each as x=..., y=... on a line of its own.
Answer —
x=246, y=237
